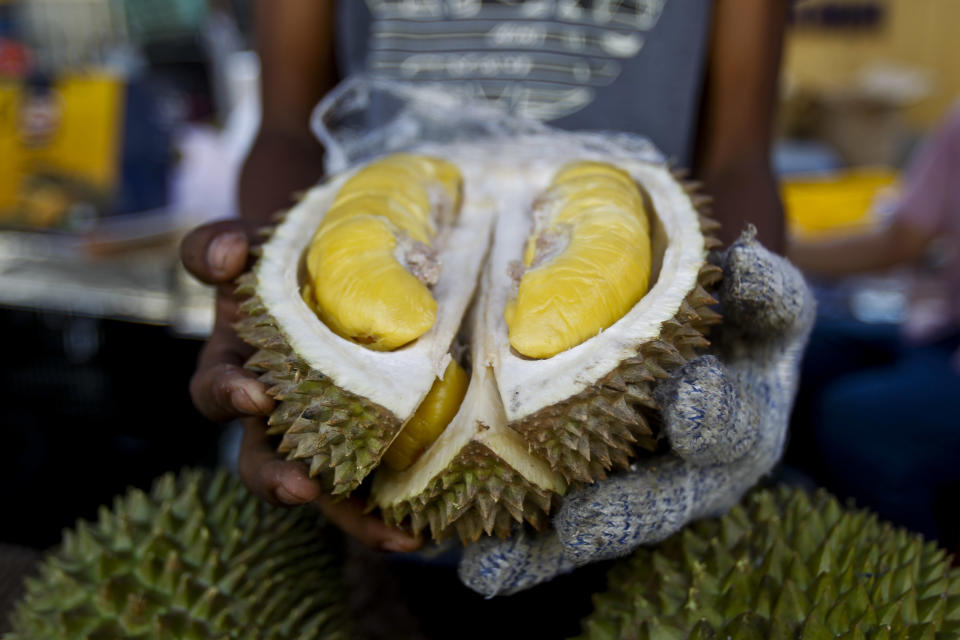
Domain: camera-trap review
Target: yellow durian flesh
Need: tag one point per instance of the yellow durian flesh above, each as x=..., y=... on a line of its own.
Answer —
x=603, y=270
x=355, y=281
x=431, y=418
x=445, y=174
x=361, y=292
x=413, y=222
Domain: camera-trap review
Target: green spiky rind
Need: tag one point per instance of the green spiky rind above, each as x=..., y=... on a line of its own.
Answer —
x=783, y=564
x=198, y=557
x=477, y=493
x=341, y=435
x=601, y=427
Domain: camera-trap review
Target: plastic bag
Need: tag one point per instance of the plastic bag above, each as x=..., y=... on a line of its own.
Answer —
x=366, y=117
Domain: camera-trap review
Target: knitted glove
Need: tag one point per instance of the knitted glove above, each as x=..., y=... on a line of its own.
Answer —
x=725, y=417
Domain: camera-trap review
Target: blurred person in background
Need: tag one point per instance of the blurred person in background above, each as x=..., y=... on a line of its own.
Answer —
x=878, y=407
x=698, y=77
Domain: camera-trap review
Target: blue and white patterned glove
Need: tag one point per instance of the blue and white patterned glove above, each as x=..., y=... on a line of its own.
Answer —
x=725, y=417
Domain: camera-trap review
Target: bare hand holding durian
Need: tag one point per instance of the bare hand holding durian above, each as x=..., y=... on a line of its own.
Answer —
x=725, y=418
x=217, y=253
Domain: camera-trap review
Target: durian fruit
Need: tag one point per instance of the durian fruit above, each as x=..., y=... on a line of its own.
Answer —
x=198, y=557
x=341, y=401
x=527, y=426
x=782, y=565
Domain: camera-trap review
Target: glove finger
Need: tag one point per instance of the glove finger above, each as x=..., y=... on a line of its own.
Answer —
x=705, y=420
x=610, y=519
x=762, y=294
x=493, y=567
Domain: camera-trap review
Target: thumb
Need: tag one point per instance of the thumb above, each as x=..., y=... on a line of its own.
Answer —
x=494, y=567
x=762, y=294
x=705, y=418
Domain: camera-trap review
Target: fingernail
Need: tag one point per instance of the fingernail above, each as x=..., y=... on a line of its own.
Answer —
x=399, y=545
x=286, y=497
x=394, y=546
x=218, y=253
x=242, y=399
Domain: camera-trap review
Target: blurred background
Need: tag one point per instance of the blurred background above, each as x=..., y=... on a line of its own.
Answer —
x=123, y=124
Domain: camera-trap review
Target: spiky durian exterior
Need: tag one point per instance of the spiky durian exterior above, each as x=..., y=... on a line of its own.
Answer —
x=477, y=493
x=198, y=557
x=782, y=565
x=341, y=436
x=599, y=428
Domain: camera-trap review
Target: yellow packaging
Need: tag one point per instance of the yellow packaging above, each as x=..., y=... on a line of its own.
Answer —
x=59, y=146
x=837, y=203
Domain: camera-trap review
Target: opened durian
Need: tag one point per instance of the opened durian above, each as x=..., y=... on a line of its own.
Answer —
x=485, y=323
x=782, y=565
x=198, y=557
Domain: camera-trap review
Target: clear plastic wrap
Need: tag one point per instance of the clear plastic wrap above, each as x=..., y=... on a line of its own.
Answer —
x=366, y=117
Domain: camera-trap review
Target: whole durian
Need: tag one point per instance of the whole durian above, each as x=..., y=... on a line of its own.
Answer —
x=198, y=557
x=781, y=565
x=486, y=320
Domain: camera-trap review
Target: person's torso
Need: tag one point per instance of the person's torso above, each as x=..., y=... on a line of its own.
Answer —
x=633, y=66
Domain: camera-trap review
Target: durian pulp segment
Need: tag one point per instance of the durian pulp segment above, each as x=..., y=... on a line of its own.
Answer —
x=431, y=418
x=397, y=380
x=677, y=244
x=359, y=285
x=478, y=475
x=361, y=291
x=596, y=213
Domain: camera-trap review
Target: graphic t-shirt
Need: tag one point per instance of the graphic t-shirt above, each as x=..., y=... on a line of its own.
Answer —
x=622, y=65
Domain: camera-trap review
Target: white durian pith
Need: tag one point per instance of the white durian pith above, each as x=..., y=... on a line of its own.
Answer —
x=479, y=475
x=526, y=427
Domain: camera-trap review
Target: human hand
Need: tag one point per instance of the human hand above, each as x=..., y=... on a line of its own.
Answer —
x=223, y=390
x=725, y=417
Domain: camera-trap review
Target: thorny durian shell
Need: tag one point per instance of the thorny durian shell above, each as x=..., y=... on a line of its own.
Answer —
x=782, y=565
x=336, y=422
x=196, y=557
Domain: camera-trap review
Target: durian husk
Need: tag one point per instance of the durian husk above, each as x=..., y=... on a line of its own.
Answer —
x=477, y=494
x=477, y=478
x=197, y=557
x=341, y=435
x=609, y=422
x=591, y=429
x=601, y=427
x=782, y=565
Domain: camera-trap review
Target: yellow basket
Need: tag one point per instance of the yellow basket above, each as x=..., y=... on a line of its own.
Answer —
x=837, y=203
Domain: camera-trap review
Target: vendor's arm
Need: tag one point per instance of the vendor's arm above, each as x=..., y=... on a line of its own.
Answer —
x=733, y=151
x=883, y=248
x=929, y=200
x=295, y=43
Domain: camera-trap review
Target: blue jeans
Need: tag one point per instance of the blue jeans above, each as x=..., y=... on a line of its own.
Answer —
x=878, y=421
